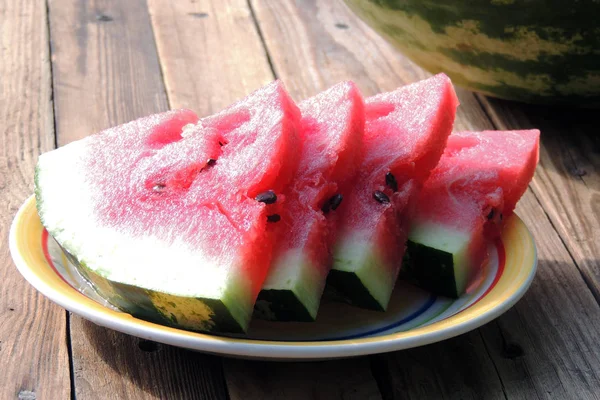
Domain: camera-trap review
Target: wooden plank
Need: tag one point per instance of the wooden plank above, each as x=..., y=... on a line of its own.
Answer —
x=118, y=366
x=210, y=52
x=33, y=348
x=347, y=379
x=313, y=44
x=235, y=58
x=316, y=44
x=106, y=72
x=568, y=184
x=457, y=368
x=105, y=66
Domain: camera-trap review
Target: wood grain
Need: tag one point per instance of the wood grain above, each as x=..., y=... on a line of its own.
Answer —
x=210, y=52
x=544, y=347
x=455, y=368
x=347, y=379
x=106, y=72
x=105, y=67
x=316, y=44
x=112, y=365
x=33, y=347
x=235, y=59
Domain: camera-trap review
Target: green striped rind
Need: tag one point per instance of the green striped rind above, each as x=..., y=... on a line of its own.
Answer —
x=430, y=268
x=361, y=274
x=537, y=51
x=437, y=259
x=293, y=289
x=351, y=288
x=282, y=305
x=190, y=313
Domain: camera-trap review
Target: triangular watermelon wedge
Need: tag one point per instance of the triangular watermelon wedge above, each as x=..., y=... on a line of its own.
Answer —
x=160, y=213
x=464, y=204
x=405, y=135
x=332, y=130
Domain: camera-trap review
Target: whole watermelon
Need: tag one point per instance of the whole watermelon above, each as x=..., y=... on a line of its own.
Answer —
x=537, y=51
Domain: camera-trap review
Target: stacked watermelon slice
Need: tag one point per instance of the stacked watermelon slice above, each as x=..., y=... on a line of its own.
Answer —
x=202, y=223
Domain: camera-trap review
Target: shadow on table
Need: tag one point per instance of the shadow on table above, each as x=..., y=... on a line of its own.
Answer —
x=110, y=360
x=570, y=136
x=130, y=366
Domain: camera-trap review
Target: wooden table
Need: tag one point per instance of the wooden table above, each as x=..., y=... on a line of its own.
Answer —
x=72, y=67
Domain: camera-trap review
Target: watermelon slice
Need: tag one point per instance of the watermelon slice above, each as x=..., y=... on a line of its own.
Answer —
x=405, y=134
x=475, y=186
x=332, y=129
x=160, y=213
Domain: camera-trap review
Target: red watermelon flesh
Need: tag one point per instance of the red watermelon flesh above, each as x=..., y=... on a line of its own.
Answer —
x=405, y=134
x=332, y=130
x=165, y=205
x=475, y=186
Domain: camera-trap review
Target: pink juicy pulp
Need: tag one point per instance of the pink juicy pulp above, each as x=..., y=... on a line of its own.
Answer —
x=332, y=128
x=148, y=180
x=478, y=172
x=405, y=134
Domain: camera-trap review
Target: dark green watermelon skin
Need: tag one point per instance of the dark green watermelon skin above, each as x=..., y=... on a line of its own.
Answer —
x=430, y=268
x=537, y=51
x=139, y=302
x=348, y=282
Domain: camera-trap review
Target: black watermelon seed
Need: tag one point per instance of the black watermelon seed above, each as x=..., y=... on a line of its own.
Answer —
x=273, y=218
x=332, y=203
x=491, y=214
x=381, y=197
x=336, y=200
x=159, y=187
x=268, y=197
x=211, y=162
x=391, y=182
x=501, y=217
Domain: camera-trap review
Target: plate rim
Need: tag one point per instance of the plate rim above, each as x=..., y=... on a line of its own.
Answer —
x=267, y=349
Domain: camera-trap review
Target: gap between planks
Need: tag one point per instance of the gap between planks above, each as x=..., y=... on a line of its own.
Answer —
x=67, y=313
x=33, y=354
x=262, y=39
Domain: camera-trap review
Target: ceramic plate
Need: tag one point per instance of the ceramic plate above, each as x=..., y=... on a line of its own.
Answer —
x=414, y=318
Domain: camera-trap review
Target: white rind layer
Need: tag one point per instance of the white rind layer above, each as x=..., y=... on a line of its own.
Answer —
x=357, y=253
x=67, y=211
